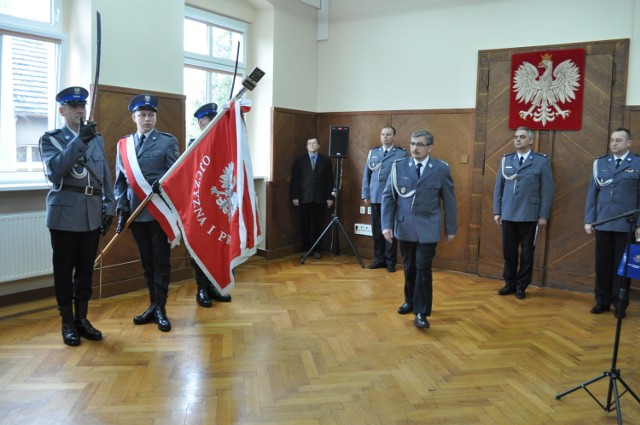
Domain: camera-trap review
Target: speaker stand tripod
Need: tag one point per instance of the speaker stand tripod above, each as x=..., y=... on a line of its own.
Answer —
x=335, y=220
x=614, y=374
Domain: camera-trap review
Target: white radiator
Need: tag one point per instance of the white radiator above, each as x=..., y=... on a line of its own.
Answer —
x=25, y=246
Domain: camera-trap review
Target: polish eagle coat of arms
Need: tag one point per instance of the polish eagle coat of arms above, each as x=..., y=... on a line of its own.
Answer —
x=545, y=93
x=226, y=196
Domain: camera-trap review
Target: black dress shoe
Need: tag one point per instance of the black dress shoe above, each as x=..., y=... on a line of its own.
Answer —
x=376, y=265
x=599, y=308
x=620, y=314
x=405, y=308
x=391, y=268
x=217, y=295
x=506, y=290
x=202, y=298
x=146, y=317
x=160, y=317
x=86, y=330
x=70, y=335
x=520, y=294
x=421, y=321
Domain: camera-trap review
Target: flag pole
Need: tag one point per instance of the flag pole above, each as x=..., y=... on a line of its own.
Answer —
x=249, y=83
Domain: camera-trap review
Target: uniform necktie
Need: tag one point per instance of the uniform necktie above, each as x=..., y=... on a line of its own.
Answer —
x=385, y=153
x=618, y=162
x=419, y=168
x=521, y=159
x=140, y=142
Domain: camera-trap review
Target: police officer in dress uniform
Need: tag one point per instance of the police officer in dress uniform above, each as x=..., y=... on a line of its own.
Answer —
x=374, y=178
x=613, y=190
x=417, y=192
x=80, y=206
x=155, y=153
x=206, y=289
x=521, y=205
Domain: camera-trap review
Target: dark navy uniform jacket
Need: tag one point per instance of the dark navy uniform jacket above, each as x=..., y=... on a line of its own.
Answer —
x=376, y=171
x=157, y=154
x=613, y=191
x=418, y=217
x=69, y=206
x=523, y=193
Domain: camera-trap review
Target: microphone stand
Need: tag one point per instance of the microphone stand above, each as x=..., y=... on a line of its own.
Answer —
x=614, y=374
x=334, y=219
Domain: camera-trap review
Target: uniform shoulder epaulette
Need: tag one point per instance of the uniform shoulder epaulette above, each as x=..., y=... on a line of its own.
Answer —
x=166, y=134
x=507, y=154
x=376, y=147
x=401, y=148
x=53, y=132
x=444, y=162
x=602, y=156
x=542, y=154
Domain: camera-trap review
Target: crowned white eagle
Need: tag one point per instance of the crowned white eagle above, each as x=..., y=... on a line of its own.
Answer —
x=227, y=196
x=545, y=91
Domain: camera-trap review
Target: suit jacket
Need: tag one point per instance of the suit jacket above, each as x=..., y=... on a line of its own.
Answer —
x=156, y=155
x=73, y=210
x=311, y=185
x=616, y=192
x=376, y=171
x=527, y=191
x=418, y=218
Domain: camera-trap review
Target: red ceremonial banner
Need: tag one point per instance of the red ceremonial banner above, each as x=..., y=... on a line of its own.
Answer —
x=548, y=90
x=212, y=192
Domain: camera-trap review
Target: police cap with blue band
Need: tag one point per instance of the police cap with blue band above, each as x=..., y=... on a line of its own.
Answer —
x=209, y=110
x=145, y=102
x=72, y=96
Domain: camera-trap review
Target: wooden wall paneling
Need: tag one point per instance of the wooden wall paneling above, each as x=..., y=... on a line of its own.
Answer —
x=632, y=122
x=291, y=130
x=564, y=253
x=121, y=269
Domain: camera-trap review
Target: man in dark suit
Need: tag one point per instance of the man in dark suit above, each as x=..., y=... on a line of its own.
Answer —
x=521, y=205
x=374, y=177
x=417, y=192
x=614, y=189
x=155, y=152
x=80, y=206
x=310, y=190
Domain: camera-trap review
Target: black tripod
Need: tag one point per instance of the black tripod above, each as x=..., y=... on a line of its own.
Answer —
x=614, y=374
x=334, y=218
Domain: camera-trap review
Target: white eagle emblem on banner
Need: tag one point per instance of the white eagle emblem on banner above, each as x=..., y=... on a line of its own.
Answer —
x=227, y=198
x=545, y=91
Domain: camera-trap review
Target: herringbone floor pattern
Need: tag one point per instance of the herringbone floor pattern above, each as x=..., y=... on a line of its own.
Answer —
x=321, y=344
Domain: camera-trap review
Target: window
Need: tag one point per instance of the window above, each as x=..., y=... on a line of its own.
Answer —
x=30, y=50
x=211, y=44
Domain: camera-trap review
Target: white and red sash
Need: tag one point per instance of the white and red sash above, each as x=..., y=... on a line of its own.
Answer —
x=141, y=188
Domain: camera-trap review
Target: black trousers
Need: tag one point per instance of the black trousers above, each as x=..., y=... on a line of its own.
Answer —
x=609, y=249
x=155, y=255
x=418, y=278
x=518, y=237
x=311, y=224
x=73, y=256
x=383, y=251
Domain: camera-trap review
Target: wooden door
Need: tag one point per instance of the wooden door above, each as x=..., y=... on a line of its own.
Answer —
x=564, y=252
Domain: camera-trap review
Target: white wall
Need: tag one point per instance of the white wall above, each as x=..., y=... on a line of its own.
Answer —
x=424, y=57
x=142, y=44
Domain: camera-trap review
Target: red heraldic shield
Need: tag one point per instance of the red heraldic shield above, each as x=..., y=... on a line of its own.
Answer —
x=212, y=192
x=547, y=90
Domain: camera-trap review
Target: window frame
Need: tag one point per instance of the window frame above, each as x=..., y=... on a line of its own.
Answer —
x=47, y=32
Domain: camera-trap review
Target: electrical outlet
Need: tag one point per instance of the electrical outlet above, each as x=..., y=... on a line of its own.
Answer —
x=362, y=229
x=361, y=210
x=369, y=210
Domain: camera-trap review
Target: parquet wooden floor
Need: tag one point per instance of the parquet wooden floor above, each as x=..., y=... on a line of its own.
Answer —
x=321, y=344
